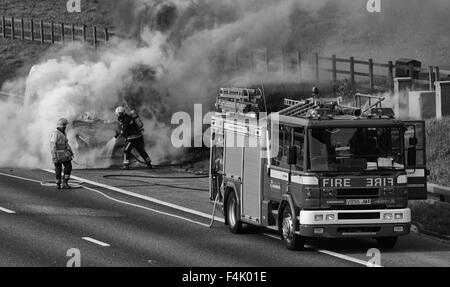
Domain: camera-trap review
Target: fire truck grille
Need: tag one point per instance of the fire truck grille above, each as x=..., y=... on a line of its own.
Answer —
x=357, y=192
x=359, y=215
x=357, y=207
x=350, y=230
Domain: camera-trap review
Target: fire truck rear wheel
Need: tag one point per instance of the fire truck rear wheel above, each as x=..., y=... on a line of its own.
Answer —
x=234, y=223
x=387, y=242
x=291, y=240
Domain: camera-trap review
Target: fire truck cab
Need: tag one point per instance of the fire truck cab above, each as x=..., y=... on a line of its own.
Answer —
x=316, y=169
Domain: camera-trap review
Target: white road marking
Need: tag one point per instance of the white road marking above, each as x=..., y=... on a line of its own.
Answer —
x=188, y=210
x=19, y=177
x=342, y=256
x=146, y=208
x=7, y=210
x=331, y=253
x=144, y=197
x=95, y=241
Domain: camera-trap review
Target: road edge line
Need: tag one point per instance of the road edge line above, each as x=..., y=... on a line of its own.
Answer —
x=144, y=197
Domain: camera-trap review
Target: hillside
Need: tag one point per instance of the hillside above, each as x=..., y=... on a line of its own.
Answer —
x=17, y=57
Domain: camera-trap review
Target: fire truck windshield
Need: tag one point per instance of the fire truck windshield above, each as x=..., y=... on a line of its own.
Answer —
x=355, y=149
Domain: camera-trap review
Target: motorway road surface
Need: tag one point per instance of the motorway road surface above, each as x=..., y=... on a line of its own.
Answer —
x=38, y=225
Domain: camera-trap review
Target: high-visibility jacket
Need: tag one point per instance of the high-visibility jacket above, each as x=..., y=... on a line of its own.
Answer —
x=60, y=148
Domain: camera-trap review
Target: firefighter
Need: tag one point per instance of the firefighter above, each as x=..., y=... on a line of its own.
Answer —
x=62, y=154
x=131, y=128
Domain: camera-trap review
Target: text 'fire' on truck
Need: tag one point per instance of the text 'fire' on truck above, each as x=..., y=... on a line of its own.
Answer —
x=316, y=169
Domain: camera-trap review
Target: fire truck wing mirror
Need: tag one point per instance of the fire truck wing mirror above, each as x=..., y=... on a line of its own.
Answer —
x=413, y=141
x=292, y=155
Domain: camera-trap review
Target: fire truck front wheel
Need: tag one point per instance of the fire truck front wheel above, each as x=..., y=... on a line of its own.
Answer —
x=234, y=223
x=290, y=239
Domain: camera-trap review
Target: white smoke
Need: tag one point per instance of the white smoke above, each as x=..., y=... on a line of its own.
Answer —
x=188, y=47
x=76, y=80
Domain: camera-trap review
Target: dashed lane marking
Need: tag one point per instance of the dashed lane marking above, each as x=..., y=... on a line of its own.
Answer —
x=7, y=210
x=95, y=241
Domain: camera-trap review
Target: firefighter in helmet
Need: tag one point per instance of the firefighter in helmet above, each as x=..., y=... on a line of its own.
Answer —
x=62, y=154
x=131, y=128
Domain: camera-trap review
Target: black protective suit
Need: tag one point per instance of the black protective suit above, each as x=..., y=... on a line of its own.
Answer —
x=134, y=140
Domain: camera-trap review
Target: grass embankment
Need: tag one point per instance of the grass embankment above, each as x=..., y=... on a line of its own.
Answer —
x=438, y=150
x=17, y=57
x=435, y=216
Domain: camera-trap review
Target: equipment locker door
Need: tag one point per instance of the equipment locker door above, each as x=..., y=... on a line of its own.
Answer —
x=251, y=195
x=415, y=152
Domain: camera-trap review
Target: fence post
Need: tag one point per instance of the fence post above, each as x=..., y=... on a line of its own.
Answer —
x=317, y=67
x=267, y=60
x=42, y=32
x=4, y=26
x=391, y=76
x=95, y=37
x=13, y=32
x=52, y=34
x=32, y=29
x=299, y=65
x=334, y=68
x=22, y=29
x=252, y=60
x=371, y=83
x=352, y=71
x=106, y=35
x=84, y=33
x=438, y=74
x=62, y=33
x=73, y=32
x=431, y=78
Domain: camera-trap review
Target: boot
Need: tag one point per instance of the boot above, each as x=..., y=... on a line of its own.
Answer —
x=65, y=184
x=58, y=184
x=149, y=165
x=125, y=167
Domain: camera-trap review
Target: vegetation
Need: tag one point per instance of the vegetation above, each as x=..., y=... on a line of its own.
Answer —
x=438, y=150
x=434, y=216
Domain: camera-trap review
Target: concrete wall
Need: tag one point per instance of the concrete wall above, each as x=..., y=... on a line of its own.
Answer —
x=421, y=105
x=400, y=103
x=442, y=99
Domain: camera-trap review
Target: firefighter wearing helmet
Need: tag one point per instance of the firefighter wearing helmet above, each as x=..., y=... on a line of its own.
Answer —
x=62, y=154
x=131, y=128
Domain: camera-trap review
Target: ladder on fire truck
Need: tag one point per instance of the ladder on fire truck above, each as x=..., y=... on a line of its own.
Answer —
x=298, y=108
x=238, y=100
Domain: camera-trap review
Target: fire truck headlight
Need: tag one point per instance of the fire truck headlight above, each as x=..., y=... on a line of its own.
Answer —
x=318, y=217
x=398, y=216
x=387, y=216
x=402, y=179
x=330, y=217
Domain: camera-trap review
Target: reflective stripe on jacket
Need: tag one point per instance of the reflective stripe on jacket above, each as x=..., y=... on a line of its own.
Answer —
x=60, y=148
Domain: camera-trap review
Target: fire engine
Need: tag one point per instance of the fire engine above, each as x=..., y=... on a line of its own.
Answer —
x=317, y=168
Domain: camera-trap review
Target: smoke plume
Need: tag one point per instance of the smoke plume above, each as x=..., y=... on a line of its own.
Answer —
x=172, y=54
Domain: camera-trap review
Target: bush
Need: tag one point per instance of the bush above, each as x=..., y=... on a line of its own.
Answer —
x=438, y=150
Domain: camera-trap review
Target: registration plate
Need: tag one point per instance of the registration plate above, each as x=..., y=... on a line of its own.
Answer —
x=358, y=201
